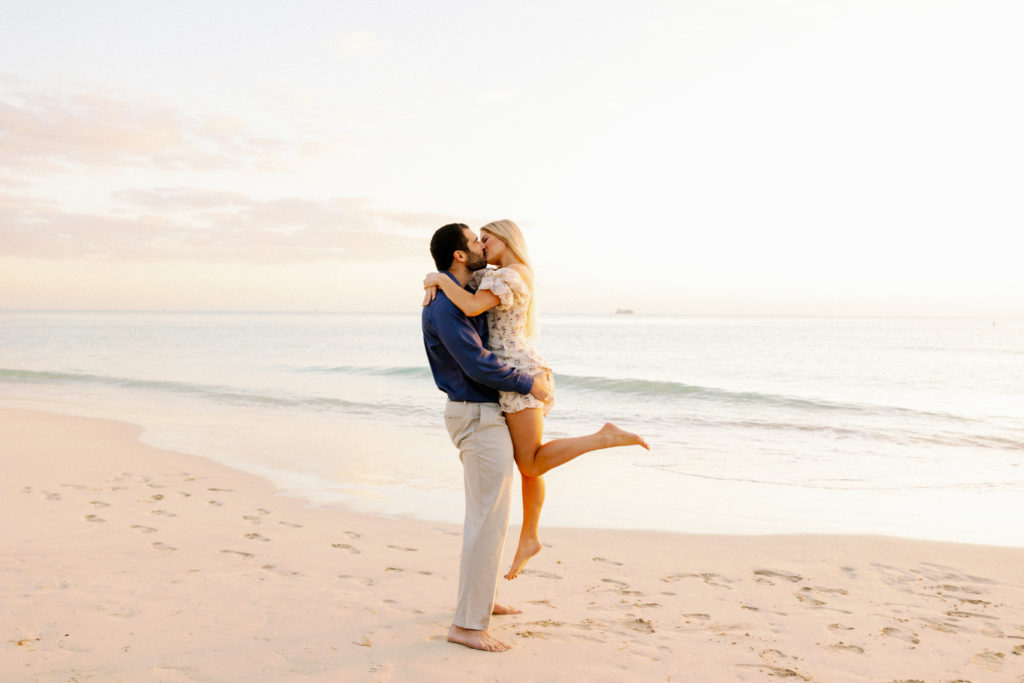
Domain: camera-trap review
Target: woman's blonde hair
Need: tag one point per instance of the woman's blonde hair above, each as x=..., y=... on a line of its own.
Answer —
x=509, y=233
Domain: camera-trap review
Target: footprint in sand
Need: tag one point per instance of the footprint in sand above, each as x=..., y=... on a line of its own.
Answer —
x=638, y=624
x=775, y=574
x=958, y=589
x=809, y=599
x=993, y=661
x=74, y=486
x=896, y=633
x=980, y=603
x=621, y=584
x=252, y=519
x=238, y=552
x=280, y=572
x=184, y=495
x=49, y=496
x=954, y=574
x=840, y=627
x=216, y=503
x=93, y=518
x=352, y=534
x=707, y=577
x=403, y=548
x=257, y=537
x=541, y=575
x=143, y=529
x=162, y=547
x=968, y=615
x=221, y=490
x=992, y=631
x=530, y=634
x=606, y=561
x=774, y=656
x=158, y=496
x=393, y=569
x=162, y=513
x=776, y=671
x=291, y=524
x=99, y=504
x=365, y=582
x=943, y=626
x=843, y=647
x=346, y=546
x=812, y=596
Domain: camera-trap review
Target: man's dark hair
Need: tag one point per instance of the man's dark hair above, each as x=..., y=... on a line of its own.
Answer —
x=445, y=242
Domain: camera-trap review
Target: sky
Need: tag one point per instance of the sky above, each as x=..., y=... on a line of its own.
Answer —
x=699, y=157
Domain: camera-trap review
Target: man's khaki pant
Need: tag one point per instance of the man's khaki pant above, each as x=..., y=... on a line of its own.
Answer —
x=479, y=431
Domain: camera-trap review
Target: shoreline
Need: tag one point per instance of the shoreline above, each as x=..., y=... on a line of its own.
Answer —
x=412, y=471
x=129, y=562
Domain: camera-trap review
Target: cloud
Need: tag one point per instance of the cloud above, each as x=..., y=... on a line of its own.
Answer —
x=180, y=198
x=356, y=44
x=200, y=225
x=59, y=132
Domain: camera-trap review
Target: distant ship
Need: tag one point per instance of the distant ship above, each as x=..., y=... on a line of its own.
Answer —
x=624, y=311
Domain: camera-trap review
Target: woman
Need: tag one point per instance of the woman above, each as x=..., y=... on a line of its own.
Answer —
x=506, y=294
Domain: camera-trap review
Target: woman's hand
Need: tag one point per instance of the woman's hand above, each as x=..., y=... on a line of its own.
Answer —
x=433, y=280
x=430, y=284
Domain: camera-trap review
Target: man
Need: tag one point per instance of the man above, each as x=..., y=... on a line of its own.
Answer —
x=471, y=376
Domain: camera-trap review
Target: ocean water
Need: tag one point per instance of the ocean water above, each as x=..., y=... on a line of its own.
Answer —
x=907, y=427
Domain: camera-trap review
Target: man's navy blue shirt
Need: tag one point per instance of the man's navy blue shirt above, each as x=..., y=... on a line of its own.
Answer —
x=457, y=351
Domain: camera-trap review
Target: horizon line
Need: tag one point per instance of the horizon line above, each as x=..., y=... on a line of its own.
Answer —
x=624, y=316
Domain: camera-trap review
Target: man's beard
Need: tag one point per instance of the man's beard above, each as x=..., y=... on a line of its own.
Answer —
x=476, y=262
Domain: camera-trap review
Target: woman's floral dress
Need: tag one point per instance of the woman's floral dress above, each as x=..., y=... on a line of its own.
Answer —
x=506, y=325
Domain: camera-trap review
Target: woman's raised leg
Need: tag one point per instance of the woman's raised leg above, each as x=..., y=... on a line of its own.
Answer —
x=544, y=457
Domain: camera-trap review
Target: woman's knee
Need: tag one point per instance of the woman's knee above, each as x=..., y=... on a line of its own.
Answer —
x=528, y=466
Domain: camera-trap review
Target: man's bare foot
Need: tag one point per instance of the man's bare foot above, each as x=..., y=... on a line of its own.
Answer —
x=620, y=437
x=478, y=640
x=527, y=548
x=505, y=609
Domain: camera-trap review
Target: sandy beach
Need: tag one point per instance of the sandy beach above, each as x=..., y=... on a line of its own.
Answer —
x=123, y=562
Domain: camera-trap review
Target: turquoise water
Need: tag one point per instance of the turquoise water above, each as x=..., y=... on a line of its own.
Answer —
x=909, y=427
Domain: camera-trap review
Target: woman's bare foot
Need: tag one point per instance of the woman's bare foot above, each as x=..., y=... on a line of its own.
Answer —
x=528, y=547
x=620, y=437
x=505, y=609
x=478, y=640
